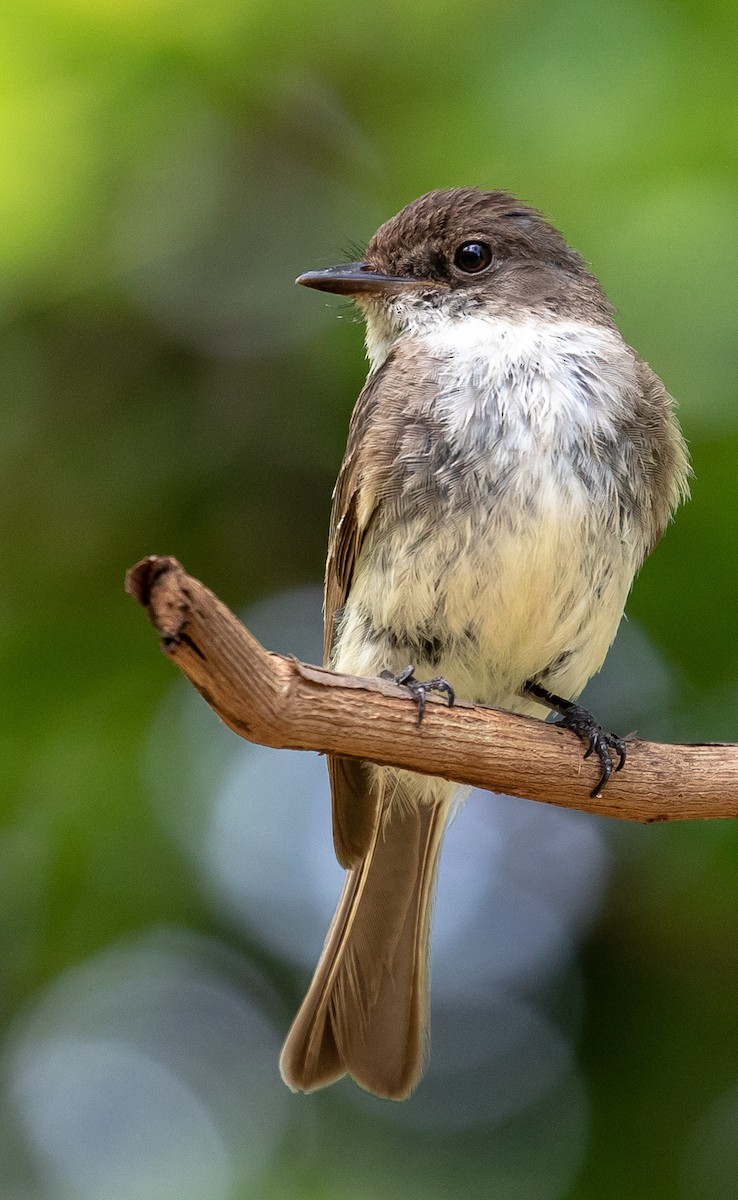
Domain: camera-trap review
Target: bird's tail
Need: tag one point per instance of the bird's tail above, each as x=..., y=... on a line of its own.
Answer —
x=366, y=1011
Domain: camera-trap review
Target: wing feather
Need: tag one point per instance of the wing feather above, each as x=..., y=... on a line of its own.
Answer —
x=354, y=797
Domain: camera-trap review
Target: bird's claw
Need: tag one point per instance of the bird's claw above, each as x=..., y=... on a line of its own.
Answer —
x=419, y=689
x=603, y=744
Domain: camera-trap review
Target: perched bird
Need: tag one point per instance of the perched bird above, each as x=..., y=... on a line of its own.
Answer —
x=510, y=464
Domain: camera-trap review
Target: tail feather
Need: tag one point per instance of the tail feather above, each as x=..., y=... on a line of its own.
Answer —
x=366, y=1011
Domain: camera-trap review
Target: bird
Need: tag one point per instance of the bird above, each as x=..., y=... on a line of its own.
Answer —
x=510, y=463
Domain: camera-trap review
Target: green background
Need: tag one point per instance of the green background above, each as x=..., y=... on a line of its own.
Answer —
x=166, y=169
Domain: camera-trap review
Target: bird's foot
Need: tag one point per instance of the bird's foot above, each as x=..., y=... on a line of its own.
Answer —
x=588, y=730
x=419, y=689
x=582, y=723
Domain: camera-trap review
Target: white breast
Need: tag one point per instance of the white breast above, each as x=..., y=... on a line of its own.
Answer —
x=543, y=376
x=538, y=573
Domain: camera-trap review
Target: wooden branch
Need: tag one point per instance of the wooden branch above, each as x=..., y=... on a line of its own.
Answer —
x=281, y=702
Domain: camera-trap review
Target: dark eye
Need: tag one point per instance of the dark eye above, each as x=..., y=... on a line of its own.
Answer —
x=472, y=257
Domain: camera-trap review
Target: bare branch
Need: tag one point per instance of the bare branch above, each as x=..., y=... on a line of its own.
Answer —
x=281, y=702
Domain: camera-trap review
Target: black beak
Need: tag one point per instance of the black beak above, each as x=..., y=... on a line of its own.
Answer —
x=353, y=279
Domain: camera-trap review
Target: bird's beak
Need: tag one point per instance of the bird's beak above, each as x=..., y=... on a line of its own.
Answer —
x=357, y=278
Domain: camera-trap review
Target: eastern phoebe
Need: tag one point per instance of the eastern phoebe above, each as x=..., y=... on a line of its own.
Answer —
x=510, y=464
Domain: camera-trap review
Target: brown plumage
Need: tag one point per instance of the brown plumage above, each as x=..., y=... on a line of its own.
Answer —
x=510, y=462
x=366, y=1009
x=365, y=1012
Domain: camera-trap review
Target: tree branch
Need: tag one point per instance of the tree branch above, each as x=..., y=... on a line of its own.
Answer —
x=281, y=702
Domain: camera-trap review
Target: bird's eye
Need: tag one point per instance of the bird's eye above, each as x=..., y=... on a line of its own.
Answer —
x=473, y=257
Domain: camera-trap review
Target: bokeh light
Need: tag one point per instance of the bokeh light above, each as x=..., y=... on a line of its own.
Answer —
x=147, y=1071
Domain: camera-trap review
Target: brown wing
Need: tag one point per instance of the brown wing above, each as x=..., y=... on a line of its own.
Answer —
x=663, y=448
x=354, y=803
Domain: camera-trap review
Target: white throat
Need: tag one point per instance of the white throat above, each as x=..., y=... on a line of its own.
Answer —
x=499, y=345
x=381, y=334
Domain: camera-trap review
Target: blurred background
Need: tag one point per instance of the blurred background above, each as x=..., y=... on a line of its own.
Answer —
x=167, y=169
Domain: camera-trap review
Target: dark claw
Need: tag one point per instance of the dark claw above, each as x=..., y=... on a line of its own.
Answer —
x=583, y=724
x=419, y=688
